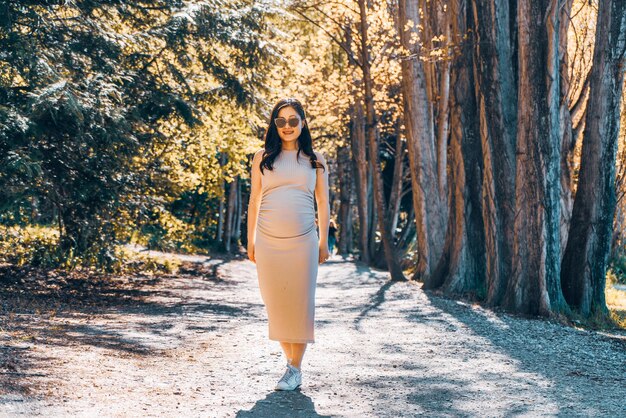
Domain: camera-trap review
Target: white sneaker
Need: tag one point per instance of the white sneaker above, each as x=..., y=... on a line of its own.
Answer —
x=292, y=379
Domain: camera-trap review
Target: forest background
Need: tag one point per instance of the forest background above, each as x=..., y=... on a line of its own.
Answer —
x=476, y=146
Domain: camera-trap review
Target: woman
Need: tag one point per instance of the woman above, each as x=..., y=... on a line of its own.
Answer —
x=287, y=175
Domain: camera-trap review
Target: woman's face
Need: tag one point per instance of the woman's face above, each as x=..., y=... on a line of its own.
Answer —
x=289, y=133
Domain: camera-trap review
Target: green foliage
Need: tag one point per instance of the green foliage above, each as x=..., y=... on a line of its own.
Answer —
x=34, y=246
x=39, y=247
x=167, y=233
x=112, y=110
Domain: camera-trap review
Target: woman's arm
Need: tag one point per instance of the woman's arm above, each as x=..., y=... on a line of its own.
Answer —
x=323, y=206
x=255, y=202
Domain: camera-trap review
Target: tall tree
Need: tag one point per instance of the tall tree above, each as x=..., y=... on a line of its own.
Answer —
x=585, y=260
x=372, y=140
x=428, y=202
x=496, y=96
x=568, y=142
x=359, y=156
x=461, y=269
x=535, y=286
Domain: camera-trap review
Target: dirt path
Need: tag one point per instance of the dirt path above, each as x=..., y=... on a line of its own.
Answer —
x=196, y=346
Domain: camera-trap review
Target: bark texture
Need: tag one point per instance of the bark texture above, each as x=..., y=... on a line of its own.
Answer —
x=496, y=96
x=231, y=215
x=461, y=269
x=534, y=287
x=344, y=169
x=568, y=141
x=585, y=261
x=360, y=168
x=429, y=204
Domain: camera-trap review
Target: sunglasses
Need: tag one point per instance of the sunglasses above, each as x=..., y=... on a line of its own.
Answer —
x=282, y=122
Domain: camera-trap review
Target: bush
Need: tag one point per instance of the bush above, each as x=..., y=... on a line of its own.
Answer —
x=34, y=245
x=38, y=246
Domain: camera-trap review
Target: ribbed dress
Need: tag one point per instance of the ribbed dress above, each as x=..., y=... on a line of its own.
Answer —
x=286, y=248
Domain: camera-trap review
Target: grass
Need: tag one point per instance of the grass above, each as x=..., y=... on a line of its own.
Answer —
x=616, y=301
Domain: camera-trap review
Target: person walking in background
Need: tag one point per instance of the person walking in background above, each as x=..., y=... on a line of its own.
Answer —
x=287, y=175
x=332, y=236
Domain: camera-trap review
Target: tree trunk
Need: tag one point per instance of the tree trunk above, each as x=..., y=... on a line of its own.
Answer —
x=443, y=111
x=238, y=211
x=567, y=135
x=496, y=102
x=393, y=210
x=230, y=214
x=535, y=286
x=372, y=222
x=429, y=205
x=357, y=138
x=461, y=269
x=344, y=171
x=372, y=139
x=428, y=23
x=220, y=214
x=586, y=255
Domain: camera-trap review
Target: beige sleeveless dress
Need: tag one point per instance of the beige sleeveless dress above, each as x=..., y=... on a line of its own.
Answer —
x=286, y=248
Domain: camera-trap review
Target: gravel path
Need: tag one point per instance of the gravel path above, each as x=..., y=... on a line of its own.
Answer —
x=196, y=346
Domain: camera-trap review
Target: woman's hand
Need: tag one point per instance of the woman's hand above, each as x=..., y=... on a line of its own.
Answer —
x=324, y=253
x=251, y=252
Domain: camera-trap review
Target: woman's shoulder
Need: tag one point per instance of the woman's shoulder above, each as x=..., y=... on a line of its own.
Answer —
x=258, y=154
x=256, y=159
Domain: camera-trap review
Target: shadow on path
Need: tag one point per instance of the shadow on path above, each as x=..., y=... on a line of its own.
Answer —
x=282, y=404
x=376, y=300
x=460, y=356
x=574, y=364
x=133, y=315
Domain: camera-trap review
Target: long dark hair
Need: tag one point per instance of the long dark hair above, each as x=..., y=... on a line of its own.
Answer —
x=273, y=143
